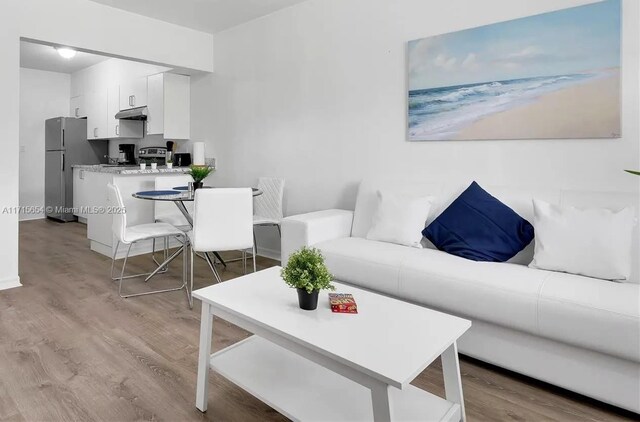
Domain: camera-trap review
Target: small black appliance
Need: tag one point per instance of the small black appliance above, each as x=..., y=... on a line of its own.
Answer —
x=129, y=151
x=182, y=159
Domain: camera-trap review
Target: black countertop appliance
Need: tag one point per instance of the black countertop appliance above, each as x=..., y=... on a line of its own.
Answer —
x=127, y=154
x=181, y=159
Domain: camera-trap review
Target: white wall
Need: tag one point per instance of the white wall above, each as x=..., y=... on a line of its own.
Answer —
x=316, y=93
x=89, y=26
x=43, y=95
x=9, y=86
x=95, y=27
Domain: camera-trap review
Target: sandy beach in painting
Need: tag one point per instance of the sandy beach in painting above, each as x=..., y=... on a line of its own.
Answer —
x=581, y=105
x=590, y=109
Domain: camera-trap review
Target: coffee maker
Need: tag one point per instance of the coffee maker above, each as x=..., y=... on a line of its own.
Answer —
x=127, y=154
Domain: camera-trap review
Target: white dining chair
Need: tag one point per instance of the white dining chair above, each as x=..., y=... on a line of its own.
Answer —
x=129, y=235
x=167, y=211
x=268, y=206
x=222, y=221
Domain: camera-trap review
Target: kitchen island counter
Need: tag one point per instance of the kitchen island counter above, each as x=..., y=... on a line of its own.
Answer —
x=122, y=170
x=90, y=199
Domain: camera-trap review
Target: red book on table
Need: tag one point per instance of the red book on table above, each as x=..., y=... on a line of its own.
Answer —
x=343, y=303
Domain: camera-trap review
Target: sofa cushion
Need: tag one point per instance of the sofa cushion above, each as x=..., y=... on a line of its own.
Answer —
x=400, y=218
x=594, y=242
x=479, y=227
x=367, y=263
x=501, y=293
x=367, y=200
x=595, y=314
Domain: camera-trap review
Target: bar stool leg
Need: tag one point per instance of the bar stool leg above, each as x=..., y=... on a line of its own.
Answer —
x=254, y=259
x=124, y=264
x=244, y=261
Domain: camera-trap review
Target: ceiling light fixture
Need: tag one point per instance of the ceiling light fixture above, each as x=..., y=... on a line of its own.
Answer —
x=65, y=52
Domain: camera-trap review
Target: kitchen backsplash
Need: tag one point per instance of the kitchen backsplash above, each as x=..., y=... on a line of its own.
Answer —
x=147, y=141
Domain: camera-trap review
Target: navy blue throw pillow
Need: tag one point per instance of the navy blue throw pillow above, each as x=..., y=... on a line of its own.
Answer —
x=477, y=226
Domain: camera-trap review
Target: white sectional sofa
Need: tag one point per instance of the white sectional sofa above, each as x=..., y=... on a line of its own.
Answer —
x=576, y=332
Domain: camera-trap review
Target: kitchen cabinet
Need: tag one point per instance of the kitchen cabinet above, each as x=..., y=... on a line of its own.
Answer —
x=77, y=107
x=100, y=222
x=97, y=108
x=80, y=194
x=133, y=93
x=120, y=128
x=168, y=106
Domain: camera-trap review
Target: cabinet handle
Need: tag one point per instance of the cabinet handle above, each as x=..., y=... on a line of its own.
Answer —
x=77, y=111
x=95, y=132
x=118, y=130
x=130, y=100
x=134, y=100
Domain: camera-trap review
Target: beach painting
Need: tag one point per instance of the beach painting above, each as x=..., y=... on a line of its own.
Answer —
x=549, y=76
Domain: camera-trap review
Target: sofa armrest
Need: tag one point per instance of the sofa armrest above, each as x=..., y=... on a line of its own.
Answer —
x=312, y=228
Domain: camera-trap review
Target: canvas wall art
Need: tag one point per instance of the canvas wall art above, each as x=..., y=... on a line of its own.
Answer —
x=555, y=75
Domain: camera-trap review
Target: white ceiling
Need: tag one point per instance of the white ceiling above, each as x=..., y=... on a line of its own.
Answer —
x=45, y=57
x=203, y=15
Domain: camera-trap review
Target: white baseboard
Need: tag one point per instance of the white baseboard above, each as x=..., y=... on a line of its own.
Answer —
x=31, y=217
x=10, y=283
x=269, y=253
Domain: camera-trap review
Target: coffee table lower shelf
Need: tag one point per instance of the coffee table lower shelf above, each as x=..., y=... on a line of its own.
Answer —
x=303, y=390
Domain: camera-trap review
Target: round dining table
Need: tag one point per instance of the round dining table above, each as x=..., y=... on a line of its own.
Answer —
x=179, y=195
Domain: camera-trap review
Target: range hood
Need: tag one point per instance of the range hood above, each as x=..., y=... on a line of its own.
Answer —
x=138, y=113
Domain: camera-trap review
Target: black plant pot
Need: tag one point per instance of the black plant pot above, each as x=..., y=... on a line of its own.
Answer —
x=197, y=185
x=308, y=301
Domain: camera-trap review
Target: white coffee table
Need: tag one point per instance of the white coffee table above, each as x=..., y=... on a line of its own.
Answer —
x=323, y=366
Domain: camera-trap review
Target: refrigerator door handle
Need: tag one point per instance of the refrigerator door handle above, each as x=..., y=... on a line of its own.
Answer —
x=62, y=162
x=62, y=138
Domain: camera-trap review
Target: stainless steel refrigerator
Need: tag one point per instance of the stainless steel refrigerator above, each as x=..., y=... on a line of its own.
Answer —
x=66, y=145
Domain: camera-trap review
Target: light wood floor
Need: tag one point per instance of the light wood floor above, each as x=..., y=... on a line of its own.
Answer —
x=72, y=349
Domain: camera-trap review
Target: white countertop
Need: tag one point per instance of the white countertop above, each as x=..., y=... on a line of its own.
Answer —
x=97, y=168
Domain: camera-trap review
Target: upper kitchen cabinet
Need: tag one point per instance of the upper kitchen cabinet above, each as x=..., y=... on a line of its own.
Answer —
x=133, y=93
x=78, y=107
x=120, y=128
x=97, y=114
x=168, y=106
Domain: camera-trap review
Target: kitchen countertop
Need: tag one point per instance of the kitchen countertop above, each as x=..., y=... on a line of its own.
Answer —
x=98, y=168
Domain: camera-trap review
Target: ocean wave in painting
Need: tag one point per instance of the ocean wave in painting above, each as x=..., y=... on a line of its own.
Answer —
x=439, y=113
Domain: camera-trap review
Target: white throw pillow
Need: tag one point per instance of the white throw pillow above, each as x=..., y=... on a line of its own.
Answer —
x=400, y=219
x=591, y=242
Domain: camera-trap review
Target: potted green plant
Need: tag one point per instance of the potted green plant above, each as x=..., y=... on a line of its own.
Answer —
x=169, y=164
x=307, y=272
x=154, y=164
x=199, y=173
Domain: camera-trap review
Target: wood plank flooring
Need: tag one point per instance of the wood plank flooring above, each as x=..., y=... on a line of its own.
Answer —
x=72, y=349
